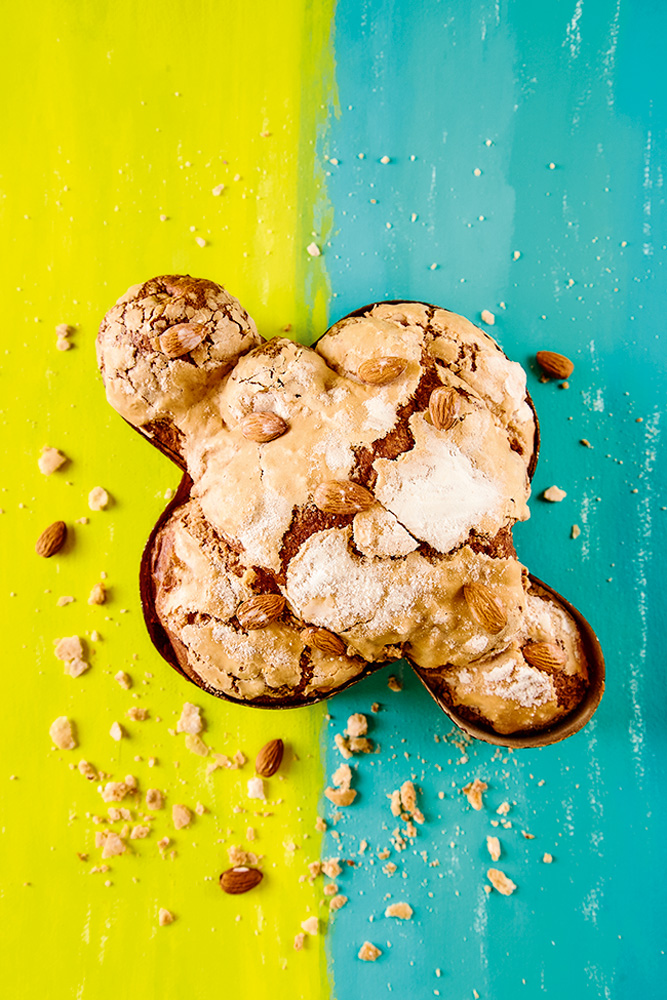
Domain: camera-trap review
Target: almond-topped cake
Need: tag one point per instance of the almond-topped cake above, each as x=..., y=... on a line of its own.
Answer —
x=343, y=505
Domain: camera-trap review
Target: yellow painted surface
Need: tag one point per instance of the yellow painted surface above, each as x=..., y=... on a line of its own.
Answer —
x=120, y=113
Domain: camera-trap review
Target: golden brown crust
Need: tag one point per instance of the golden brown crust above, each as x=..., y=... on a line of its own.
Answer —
x=443, y=483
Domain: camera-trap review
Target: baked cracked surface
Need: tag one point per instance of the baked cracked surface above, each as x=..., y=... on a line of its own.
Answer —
x=347, y=504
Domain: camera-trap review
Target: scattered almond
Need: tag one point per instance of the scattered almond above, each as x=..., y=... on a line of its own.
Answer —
x=381, y=371
x=234, y=881
x=554, y=365
x=485, y=607
x=342, y=497
x=262, y=427
x=324, y=640
x=269, y=758
x=259, y=611
x=51, y=539
x=544, y=654
x=575, y=531
x=443, y=407
x=181, y=339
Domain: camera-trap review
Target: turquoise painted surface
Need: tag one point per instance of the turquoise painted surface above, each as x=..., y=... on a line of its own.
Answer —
x=444, y=89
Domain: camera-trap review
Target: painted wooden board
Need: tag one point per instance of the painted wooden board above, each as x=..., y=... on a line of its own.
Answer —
x=526, y=148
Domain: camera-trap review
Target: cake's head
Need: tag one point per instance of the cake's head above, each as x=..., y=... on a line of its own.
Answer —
x=343, y=506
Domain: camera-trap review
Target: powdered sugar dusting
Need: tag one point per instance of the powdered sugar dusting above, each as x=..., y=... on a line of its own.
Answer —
x=436, y=492
x=525, y=685
x=268, y=520
x=381, y=414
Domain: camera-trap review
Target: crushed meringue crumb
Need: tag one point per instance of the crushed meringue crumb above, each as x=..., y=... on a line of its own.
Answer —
x=154, y=799
x=190, y=721
x=181, y=816
x=313, y=250
x=116, y=732
x=488, y=317
x=337, y=902
x=165, y=917
x=547, y=858
x=256, y=789
x=575, y=531
x=112, y=844
x=331, y=868
x=357, y=725
x=123, y=679
x=500, y=881
x=61, y=732
x=137, y=714
x=98, y=498
x=320, y=824
x=368, y=952
x=401, y=910
x=299, y=940
x=139, y=832
x=98, y=594
x=493, y=847
x=87, y=770
x=195, y=744
x=473, y=792
x=390, y=868
x=554, y=494
x=343, y=746
x=115, y=791
x=50, y=460
x=409, y=801
x=311, y=925
x=69, y=648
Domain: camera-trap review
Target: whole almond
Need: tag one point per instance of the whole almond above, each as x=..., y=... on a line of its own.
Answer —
x=259, y=611
x=181, y=339
x=51, y=539
x=269, y=758
x=324, y=640
x=381, y=371
x=444, y=408
x=485, y=607
x=262, y=427
x=554, y=365
x=237, y=880
x=340, y=496
x=544, y=654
